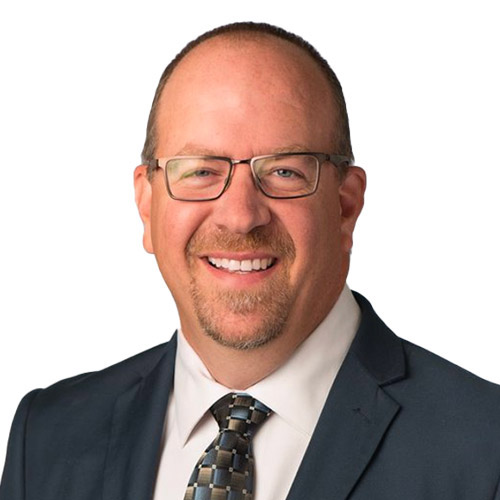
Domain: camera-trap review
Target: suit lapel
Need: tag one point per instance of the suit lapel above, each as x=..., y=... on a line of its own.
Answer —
x=136, y=432
x=356, y=416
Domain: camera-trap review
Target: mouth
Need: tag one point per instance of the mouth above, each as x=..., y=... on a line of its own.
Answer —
x=241, y=266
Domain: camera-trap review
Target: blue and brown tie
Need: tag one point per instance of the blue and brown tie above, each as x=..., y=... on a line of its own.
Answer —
x=225, y=471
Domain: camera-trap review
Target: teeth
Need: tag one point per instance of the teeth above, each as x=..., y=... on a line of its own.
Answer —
x=241, y=265
x=234, y=265
x=246, y=265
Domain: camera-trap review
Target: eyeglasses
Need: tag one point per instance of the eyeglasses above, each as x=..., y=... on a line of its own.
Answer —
x=282, y=176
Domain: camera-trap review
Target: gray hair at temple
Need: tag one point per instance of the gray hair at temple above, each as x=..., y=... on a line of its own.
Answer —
x=250, y=30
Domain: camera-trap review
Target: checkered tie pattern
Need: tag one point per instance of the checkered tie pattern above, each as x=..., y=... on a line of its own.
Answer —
x=225, y=471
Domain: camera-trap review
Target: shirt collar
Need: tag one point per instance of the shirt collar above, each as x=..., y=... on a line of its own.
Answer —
x=296, y=391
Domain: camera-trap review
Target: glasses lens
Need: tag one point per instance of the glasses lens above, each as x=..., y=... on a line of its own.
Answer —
x=284, y=176
x=197, y=177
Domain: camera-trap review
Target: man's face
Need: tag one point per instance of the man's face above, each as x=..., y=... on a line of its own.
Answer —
x=245, y=269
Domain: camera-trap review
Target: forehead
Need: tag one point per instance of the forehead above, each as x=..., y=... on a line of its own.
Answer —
x=242, y=85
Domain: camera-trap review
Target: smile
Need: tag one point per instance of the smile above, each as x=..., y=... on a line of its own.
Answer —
x=247, y=265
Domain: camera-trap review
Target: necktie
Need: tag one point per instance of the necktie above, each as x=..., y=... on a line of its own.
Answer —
x=225, y=471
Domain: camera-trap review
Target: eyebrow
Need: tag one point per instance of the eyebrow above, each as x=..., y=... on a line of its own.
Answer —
x=294, y=148
x=193, y=149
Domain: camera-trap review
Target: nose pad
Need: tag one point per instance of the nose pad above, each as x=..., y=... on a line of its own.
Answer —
x=243, y=206
x=239, y=164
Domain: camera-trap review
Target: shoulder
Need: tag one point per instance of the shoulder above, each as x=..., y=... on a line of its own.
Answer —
x=446, y=413
x=447, y=416
x=445, y=384
x=415, y=373
x=95, y=392
x=67, y=425
x=438, y=400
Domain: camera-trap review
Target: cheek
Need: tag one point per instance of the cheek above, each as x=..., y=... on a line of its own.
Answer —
x=173, y=223
x=324, y=240
x=316, y=234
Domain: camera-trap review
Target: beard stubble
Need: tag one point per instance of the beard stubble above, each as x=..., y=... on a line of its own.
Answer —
x=261, y=313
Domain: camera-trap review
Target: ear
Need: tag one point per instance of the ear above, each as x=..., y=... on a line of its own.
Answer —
x=143, y=191
x=351, y=200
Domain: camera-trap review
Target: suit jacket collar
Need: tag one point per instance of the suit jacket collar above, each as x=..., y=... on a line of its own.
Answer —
x=357, y=413
x=352, y=424
x=136, y=432
x=376, y=347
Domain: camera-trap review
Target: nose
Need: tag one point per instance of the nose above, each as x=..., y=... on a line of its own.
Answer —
x=243, y=206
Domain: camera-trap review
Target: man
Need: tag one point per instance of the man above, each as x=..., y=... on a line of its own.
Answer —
x=249, y=201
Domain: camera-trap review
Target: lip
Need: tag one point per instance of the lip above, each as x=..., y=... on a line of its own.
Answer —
x=239, y=280
x=238, y=255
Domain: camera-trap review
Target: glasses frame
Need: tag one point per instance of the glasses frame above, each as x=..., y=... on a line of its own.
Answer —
x=336, y=160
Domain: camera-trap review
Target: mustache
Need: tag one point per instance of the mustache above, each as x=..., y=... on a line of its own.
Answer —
x=273, y=240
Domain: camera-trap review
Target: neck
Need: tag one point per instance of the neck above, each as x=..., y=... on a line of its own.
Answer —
x=239, y=369
x=226, y=364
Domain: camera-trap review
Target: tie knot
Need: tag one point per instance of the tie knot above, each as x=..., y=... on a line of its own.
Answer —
x=239, y=413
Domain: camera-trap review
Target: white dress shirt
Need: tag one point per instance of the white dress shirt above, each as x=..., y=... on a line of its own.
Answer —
x=296, y=392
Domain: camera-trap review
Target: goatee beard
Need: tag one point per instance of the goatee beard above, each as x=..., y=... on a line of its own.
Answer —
x=261, y=313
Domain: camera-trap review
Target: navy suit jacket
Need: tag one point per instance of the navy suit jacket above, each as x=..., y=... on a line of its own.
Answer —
x=399, y=423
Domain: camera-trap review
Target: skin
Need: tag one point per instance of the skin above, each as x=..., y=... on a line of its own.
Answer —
x=211, y=105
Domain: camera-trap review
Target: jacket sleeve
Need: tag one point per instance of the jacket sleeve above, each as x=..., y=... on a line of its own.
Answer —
x=12, y=485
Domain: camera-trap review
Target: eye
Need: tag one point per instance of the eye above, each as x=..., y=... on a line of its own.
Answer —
x=286, y=173
x=198, y=173
x=201, y=173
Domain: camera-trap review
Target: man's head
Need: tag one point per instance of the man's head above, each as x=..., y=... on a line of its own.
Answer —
x=257, y=31
x=239, y=94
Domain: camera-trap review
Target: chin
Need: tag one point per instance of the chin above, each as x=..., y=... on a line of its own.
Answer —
x=245, y=334
x=243, y=319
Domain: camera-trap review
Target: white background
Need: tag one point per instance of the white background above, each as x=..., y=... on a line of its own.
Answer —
x=77, y=291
